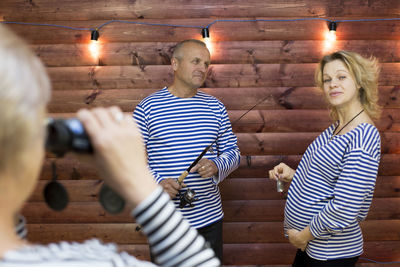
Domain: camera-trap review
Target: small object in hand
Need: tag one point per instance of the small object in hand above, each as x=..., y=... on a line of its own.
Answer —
x=280, y=186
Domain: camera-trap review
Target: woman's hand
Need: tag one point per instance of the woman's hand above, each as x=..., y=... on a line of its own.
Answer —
x=282, y=172
x=300, y=239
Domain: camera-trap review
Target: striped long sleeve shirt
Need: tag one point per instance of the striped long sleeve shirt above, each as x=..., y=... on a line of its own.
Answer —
x=332, y=191
x=175, y=131
x=173, y=241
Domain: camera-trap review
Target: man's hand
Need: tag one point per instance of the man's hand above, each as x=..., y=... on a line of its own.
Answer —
x=206, y=168
x=171, y=186
x=300, y=239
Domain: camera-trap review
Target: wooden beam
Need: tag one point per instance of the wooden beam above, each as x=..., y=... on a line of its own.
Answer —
x=273, y=99
x=124, y=9
x=236, y=52
x=220, y=76
x=222, y=31
x=235, y=211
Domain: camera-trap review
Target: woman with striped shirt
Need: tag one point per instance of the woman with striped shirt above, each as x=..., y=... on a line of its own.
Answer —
x=332, y=188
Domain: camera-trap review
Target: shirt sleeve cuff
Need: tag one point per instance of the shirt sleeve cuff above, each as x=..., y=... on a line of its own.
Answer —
x=147, y=202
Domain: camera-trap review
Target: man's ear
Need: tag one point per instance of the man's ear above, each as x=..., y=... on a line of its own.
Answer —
x=174, y=63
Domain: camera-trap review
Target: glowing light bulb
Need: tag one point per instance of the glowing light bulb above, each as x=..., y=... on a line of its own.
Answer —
x=94, y=47
x=206, y=39
x=330, y=36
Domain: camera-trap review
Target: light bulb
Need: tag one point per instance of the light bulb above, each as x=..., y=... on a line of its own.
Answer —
x=94, y=47
x=206, y=38
x=330, y=36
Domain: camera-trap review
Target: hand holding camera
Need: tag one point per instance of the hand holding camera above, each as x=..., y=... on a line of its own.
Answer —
x=116, y=144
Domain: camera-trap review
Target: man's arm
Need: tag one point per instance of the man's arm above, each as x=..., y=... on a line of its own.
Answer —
x=229, y=153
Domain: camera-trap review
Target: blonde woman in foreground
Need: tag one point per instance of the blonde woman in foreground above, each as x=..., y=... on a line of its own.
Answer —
x=119, y=154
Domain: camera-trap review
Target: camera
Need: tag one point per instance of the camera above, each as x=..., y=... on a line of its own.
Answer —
x=65, y=135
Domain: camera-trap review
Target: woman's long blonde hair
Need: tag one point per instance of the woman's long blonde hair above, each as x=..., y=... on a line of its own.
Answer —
x=365, y=73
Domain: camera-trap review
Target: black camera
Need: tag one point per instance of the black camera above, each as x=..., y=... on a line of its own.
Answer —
x=65, y=135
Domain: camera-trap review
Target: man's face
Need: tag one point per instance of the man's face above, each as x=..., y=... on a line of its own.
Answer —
x=192, y=66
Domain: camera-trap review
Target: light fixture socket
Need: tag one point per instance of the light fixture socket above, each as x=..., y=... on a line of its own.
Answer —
x=332, y=26
x=95, y=35
x=205, y=33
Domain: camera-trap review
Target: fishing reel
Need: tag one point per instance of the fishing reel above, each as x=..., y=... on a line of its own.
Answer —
x=187, y=198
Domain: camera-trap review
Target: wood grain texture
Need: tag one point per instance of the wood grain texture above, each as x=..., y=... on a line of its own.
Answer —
x=231, y=189
x=235, y=211
x=124, y=9
x=273, y=99
x=263, y=121
x=236, y=52
x=251, y=61
x=250, y=30
x=220, y=76
x=251, y=166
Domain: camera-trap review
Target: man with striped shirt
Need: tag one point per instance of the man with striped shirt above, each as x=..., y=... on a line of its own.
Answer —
x=178, y=123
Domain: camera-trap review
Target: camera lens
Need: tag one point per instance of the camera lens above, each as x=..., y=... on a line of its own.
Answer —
x=65, y=135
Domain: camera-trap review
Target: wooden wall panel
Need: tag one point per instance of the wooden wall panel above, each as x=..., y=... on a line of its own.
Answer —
x=125, y=9
x=267, y=64
x=234, y=232
x=251, y=166
x=222, y=31
x=236, y=52
x=250, y=189
x=235, y=211
x=273, y=99
x=156, y=76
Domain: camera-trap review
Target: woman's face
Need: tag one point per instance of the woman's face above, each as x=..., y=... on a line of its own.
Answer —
x=340, y=88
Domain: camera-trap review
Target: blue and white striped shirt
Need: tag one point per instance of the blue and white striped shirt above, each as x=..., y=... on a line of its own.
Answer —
x=175, y=131
x=173, y=243
x=332, y=191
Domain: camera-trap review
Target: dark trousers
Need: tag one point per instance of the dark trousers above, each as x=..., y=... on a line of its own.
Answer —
x=213, y=235
x=303, y=260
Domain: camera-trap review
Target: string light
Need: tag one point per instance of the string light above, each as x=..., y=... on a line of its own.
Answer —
x=330, y=37
x=94, y=44
x=206, y=38
x=332, y=32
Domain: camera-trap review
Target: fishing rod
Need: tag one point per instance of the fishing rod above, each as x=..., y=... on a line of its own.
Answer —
x=189, y=196
x=114, y=203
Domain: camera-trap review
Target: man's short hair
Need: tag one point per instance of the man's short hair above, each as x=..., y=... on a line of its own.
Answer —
x=178, y=47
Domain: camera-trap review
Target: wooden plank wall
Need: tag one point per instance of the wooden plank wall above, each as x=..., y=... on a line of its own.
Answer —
x=251, y=61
